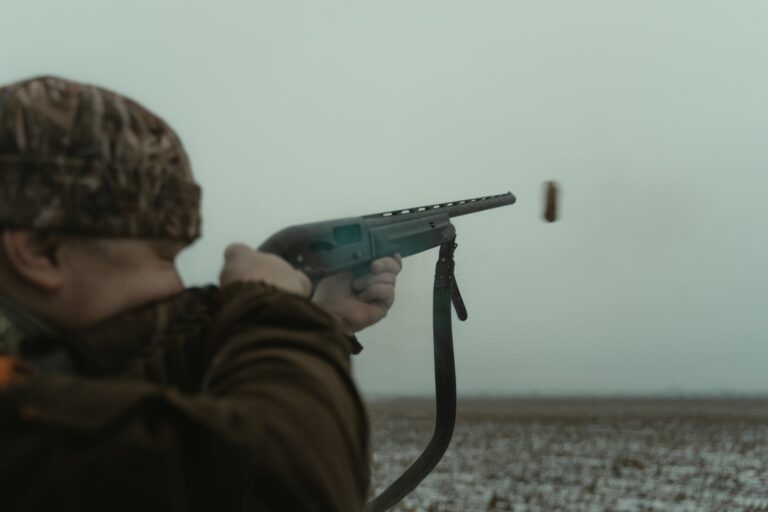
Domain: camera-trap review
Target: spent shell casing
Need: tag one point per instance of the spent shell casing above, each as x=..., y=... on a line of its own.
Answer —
x=550, y=201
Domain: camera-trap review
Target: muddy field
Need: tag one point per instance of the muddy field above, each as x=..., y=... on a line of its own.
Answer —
x=575, y=455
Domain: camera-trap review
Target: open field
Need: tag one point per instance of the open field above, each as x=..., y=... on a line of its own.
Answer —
x=578, y=454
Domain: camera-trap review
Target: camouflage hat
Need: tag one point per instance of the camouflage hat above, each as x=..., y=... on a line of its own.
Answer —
x=80, y=159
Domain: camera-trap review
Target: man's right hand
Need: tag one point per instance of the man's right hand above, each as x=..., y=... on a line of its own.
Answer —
x=241, y=263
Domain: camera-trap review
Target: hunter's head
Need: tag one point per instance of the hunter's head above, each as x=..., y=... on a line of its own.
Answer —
x=96, y=199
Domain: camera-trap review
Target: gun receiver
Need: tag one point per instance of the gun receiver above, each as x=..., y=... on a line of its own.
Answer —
x=323, y=248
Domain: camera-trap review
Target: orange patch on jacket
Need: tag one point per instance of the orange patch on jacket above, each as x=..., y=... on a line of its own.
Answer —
x=13, y=371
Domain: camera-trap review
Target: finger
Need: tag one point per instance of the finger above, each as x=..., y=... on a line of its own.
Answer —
x=383, y=294
x=304, y=282
x=235, y=250
x=366, y=281
x=388, y=264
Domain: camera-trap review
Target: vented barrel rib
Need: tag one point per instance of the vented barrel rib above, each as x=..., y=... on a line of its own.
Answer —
x=452, y=208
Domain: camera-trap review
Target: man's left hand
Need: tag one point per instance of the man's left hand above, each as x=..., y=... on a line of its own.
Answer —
x=360, y=302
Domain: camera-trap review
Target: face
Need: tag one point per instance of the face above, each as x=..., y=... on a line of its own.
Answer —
x=74, y=282
x=103, y=277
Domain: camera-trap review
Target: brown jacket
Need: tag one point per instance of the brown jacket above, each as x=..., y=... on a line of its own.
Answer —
x=214, y=400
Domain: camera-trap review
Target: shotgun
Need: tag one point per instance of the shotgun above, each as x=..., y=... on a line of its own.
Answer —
x=320, y=249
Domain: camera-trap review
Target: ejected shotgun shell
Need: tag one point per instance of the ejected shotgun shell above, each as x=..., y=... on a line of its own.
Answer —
x=550, y=201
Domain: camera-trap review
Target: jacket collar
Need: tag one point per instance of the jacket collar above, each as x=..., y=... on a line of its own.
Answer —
x=113, y=346
x=119, y=344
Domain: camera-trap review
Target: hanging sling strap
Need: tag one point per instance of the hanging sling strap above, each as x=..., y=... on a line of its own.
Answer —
x=446, y=291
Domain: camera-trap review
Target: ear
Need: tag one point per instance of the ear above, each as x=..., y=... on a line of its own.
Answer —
x=33, y=258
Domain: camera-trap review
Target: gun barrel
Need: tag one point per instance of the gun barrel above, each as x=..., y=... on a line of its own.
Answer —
x=452, y=208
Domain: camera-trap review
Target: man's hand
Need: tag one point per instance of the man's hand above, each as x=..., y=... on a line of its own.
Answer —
x=241, y=263
x=360, y=303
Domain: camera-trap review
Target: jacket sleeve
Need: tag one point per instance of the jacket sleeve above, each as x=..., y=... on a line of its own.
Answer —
x=278, y=424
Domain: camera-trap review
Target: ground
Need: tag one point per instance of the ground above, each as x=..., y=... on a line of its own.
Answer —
x=571, y=455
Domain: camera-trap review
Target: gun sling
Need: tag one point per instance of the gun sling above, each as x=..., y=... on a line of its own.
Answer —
x=445, y=292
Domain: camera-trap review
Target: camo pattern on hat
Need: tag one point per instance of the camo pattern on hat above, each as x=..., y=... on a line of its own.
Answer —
x=80, y=159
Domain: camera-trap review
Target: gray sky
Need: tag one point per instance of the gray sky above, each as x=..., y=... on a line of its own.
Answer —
x=653, y=116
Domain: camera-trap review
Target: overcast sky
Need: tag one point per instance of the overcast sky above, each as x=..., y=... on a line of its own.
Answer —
x=652, y=115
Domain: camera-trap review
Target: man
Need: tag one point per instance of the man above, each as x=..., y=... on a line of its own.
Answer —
x=119, y=388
